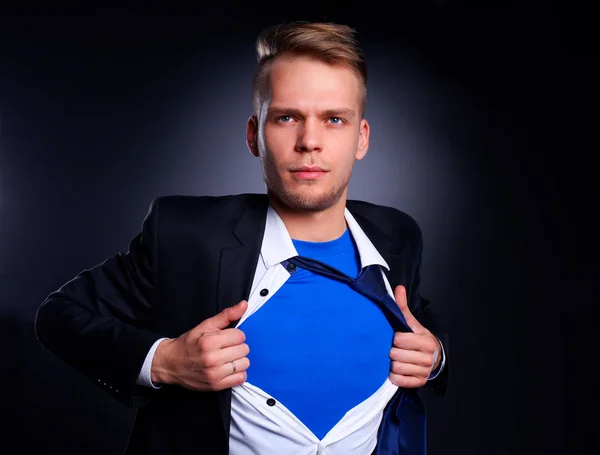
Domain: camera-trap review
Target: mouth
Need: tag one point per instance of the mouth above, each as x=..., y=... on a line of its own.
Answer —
x=309, y=172
x=309, y=169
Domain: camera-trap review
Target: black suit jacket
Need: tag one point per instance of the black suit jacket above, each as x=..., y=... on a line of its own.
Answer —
x=194, y=257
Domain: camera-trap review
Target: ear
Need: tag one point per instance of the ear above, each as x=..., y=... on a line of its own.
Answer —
x=363, y=139
x=252, y=135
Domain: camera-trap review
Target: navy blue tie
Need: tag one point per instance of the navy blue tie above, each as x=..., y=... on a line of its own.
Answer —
x=403, y=427
x=368, y=283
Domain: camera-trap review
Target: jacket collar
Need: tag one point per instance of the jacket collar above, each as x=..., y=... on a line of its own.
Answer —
x=277, y=246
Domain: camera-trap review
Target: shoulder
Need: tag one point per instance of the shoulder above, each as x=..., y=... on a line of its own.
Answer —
x=189, y=205
x=383, y=215
x=392, y=221
x=179, y=217
x=170, y=212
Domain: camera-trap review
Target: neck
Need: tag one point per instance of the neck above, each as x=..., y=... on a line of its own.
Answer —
x=322, y=226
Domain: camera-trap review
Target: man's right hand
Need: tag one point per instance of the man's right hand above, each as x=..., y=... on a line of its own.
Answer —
x=200, y=359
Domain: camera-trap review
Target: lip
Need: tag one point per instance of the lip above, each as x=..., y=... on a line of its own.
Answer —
x=309, y=173
x=309, y=169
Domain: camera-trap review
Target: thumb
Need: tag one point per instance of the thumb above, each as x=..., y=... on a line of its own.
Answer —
x=221, y=321
x=402, y=301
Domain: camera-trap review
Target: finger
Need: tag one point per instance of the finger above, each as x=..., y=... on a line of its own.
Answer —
x=414, y=342
x=233, y=380
x=402, y=301
x=222, y=320
x=222, y=339
x=407, y=369
x=234, y=352
x=241, y=365
x=413, y=357
x=226, y=382
x=407, y=382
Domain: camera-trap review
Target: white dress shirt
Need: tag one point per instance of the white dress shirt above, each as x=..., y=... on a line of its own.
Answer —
x=260, y=429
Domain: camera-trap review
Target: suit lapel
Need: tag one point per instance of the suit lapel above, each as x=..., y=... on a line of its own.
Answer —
x=238, y=260
x=236, y=271
x=384, y=244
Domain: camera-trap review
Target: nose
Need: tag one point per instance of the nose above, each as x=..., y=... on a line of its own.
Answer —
x=309, y=138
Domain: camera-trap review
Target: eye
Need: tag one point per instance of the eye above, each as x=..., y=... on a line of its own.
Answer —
x=336, y=120
x=283, y=118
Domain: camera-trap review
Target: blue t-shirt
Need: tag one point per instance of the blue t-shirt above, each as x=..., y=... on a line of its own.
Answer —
x=316, y=346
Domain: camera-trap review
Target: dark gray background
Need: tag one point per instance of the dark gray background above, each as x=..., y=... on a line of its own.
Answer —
x=481, y=122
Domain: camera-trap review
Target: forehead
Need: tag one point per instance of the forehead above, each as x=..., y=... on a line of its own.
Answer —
x=306, y=82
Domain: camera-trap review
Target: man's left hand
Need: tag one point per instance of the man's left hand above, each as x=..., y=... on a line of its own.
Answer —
x=414, y=355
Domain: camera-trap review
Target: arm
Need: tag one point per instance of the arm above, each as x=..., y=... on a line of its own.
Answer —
x=100, y=322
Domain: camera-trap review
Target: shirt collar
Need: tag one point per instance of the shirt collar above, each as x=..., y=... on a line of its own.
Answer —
x=277, y=245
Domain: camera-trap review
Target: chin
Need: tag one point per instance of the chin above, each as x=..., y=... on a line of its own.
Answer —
x=310, y=201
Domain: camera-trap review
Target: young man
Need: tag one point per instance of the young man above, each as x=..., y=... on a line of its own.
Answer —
x=213, y=327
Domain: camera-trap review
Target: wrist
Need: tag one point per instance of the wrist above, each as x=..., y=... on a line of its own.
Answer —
x=160, y=371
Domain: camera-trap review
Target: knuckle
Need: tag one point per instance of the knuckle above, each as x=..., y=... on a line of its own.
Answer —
x=204, y=343
x=211, y=376
x=398, y=368
x=200, y=360
x=228, y=312
x=241, y=336
x=398, y=380
x=399, y=339
x=207, y=359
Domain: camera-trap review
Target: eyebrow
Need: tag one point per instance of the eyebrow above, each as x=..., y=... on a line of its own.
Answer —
x=341, y=112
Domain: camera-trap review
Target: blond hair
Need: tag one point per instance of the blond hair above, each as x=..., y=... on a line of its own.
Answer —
x=330, y=43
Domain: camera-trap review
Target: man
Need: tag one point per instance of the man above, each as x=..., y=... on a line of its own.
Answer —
x=211, y=327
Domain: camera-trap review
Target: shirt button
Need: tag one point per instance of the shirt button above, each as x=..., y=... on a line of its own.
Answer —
x=264, y=292
x=271, y=402
x=291, y=267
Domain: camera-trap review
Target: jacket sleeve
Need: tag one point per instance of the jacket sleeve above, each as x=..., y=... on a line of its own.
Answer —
x=100, y=321
x=421, y=309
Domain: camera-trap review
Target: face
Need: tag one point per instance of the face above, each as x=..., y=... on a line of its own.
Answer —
x=308, y=133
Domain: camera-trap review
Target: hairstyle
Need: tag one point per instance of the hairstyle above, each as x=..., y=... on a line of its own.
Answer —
x=330, y=43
